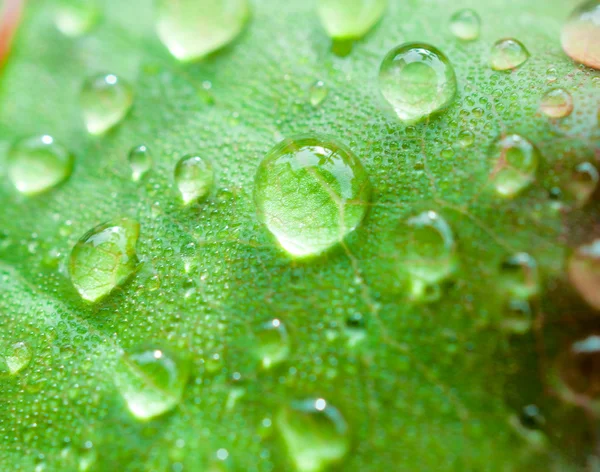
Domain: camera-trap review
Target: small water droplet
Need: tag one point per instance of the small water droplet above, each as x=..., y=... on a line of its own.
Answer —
x=140, y=160
x=581, y=33
x=508, y=54
x=583, y=182
x=17, y=357
x=38, y=164
x=317, y=93
x=584, y=272
x=355, y=329
x=350, y=19
x=417, y=80
x=517, y=317
x=75, y=18
x=531, y=417
x=192, y=29
x=315, y=433
x=151, y=381
x=311, y=191
x=466, y=138
x=104, y=258
x=194, y=177
x=465, y=24
x=105, y=100
x=519, y=276
x=516, y=165
x=557, y=103
x=551, y=74
x=273, y=345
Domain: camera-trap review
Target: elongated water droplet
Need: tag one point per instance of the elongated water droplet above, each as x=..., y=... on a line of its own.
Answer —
x=76, y=17
x=311, y=192
x=584, y=272
x=417, y=80
x=38, y=164
x=465, y=24
x=192, y=29
x=105, y=100
x=508, y=54
x=140, y=160
x=517, y=317
x=151, y=381
x=583, y=182
x=581, y=34
x=273, y=343
x=516, y=165
x=194, y=177
x=577, y=370
x=17, y=357
x=315, y=433
x=557, y=103
x=317, y=93
x=350, y=19
x=104, y=258
x=466, y=138
x=519, y=276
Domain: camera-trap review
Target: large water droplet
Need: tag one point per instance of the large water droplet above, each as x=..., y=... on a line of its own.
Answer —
x=350, y=19
x=74, y=18
x=194, y=177
x=273, y=343
x=17, y=357
x=465, y=24
x=105, y=100
x=311, y=191
x=557, y=103
x=38, y=164
x=584, y=272
x=317, y=93
x=519, y=276
x=104, y=258
x=583, y=182
x=508, y=54
x=140, y=160
x=315, y=433
x=581, y=34
x=417, y=80
x=577, y=369
x=516, y=165
x=151, y=381
x=192, y=29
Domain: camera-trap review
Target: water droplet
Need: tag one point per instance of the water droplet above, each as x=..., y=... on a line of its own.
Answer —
x=194, y=177
x=581, y=33
x=273, y=345
x=17, y=357
x=417, y=80
x=584, y=272
x=192, y=29
x=311, y=191
x=75, y=18
x=516, y=164
x=517, y=317
x=557, y=103
x=105, y=100
x=519, y=276
x=355, y=329
x=315, y=433
x=465, y=24
x=531, y=417
x=317, y=93
x=466, y=138
x=38, y=164
x=583, y=182
x=140, y=160
x=350, y=19
x=551, y=74
x=508, y=54
x=104, y=258
x=151, y=381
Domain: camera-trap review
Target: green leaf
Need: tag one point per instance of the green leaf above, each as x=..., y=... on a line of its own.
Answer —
x=419, y=346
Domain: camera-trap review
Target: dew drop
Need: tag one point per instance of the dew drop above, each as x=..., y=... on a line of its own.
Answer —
x=465, y=24
x=508, y=54
x=466, y=138
x=577, y=369
x=75, y=18
x=519, y=276
x=417, y=80
x=350, y=19
x=517, y=317
x=104, y=258
x=17, y=357
x=315, y=433
x=583, y=182
x=37, y=164
x=516, y=164
x=151, y=381
x=581, y=34
x=140, y=161
x=194, y=177
x=192, y=29
x=584, y=272
x=311, y=191
x=273, y=345
x=557, y=103
x=105, y=100
x=318, y=93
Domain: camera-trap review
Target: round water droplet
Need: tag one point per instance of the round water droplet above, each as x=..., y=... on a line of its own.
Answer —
x=584, y=272
x=315, y=433
x=557, y=103
x=192, y=29
x=466, y=138
x=519, y=276
x=273, y=345
x=581, y=34
x=105, y=100
x=465, y=24
x=508, y=54
x=516, y=165
x=583, y=182
x=517, y=317
x=151, y=381
x=75, y=18
x=317, y=93
x=104, y=258
x=350, y=19
x=140, y=160
x=417, y=80
x=38, y=164
x=311, y=191
x=17, y=357
x=194, y=177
